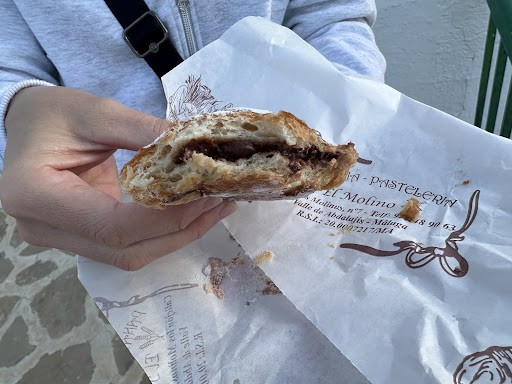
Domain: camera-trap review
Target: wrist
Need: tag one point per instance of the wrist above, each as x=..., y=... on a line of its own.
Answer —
x=10, y=94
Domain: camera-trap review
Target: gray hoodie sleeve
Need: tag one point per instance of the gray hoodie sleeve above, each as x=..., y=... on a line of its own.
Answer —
x=23, y=62
x=341, y=31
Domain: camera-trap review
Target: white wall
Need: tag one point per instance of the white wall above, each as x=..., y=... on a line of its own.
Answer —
x=434, y=50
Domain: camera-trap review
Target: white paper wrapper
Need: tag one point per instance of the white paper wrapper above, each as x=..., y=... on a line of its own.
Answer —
x=181, y=334
x=421, y=302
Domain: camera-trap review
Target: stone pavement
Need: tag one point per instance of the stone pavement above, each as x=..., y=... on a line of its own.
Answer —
x=50, y=329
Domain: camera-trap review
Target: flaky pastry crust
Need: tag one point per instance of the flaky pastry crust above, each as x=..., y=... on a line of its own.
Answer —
x=238, y=155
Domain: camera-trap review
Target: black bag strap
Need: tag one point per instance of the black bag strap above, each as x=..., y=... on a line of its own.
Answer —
x=145, y=34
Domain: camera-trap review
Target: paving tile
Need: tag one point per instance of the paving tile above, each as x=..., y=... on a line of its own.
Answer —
x=6, y=266
x=60, y=306
x=145, y=380
x=7, y=304
x=14, y=345
x=55, y=310
x=35, y=272
x=30, y=250
x=3, y=225
x=122, y=356
x=73, y=365
x=16, y=239
x=102, y=316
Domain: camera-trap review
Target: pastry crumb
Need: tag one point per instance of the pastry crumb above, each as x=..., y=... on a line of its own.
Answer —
x=466, y=182
x=332, y=257
x=332, y=234
x=208, y=288
x=217, y=291
x=345, y=230
x=331, y=245
x=411, y=210
x=263, y=257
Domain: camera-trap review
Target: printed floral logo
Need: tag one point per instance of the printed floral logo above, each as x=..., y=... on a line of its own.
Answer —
x=191, y=99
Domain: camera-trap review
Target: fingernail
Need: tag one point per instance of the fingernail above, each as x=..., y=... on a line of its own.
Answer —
x=211, y=202
x=229, y=208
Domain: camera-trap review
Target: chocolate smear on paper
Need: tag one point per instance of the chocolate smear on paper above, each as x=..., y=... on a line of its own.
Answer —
x=256, y=282
x=218, y=270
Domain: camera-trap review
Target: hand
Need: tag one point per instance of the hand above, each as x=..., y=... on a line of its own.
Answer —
x=60, y=180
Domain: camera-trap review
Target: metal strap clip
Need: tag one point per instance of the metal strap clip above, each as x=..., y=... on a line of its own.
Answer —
x=153, y=46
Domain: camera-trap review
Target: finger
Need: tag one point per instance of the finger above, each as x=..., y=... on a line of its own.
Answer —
x=67, y=202
x=101, y=176
x=96, y=119
x=132, y=222
x=118, y=126
x=131, y=258
x=142, y=253
x=41, y=234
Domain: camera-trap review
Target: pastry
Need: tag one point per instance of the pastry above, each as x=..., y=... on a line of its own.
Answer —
x=238, y=155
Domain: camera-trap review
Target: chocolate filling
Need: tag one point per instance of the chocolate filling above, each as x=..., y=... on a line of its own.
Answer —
x=244, y=149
